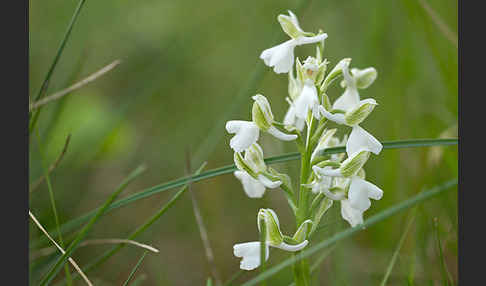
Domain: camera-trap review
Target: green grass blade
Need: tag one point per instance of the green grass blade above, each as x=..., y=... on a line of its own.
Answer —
x=47, y=79
x=397, y=250
x=53, y=205
x=105, y=256
x=321, y=258
x=233, y=278
x=68, y=226
x=139, y=280
x=84, y=231
x=446, y=275
x=350, y=231
x=135, y=269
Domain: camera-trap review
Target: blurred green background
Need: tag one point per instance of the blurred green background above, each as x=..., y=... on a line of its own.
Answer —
x=184, y=63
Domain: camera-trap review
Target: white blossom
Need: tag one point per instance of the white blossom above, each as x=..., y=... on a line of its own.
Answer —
x=281, y=57
x=250, y=251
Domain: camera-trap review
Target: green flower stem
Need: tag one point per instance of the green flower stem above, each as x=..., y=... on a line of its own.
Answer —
x=301, y=270
x=301, y=267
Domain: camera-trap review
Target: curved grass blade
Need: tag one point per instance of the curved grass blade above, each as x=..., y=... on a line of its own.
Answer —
x=446, y=275
x=422, y=196
x=105, y=256
x=84, y=231
x=52, y=166
x=75, y=265
x=74, y=223
x=233, y=278
x=397, y=250
x=45, y=84
x=135, y=269
x=75, y=86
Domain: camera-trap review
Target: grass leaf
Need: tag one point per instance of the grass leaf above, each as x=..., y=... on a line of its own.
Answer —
x=397, y=250
x=135, y=268
x=84, y=231
x=105, y=256
x=47, y=79
x=74, y=223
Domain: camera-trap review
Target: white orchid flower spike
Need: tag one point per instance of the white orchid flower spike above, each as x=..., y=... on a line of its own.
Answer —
x=250, y=251
x=281, y=57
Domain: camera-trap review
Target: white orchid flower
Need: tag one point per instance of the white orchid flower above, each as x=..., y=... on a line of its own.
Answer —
x=250, y=251
x=252, y=187
x=358, y=201
x=353, y=216
x=360, y=139
x=292, y=121
x=281, y=57
x=248, y=132
x=252, y=172
x=323, y=184
x=360, y=192
x=356, y=110
x=307, y=100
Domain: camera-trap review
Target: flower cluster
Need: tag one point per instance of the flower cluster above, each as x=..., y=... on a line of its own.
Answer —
x=325, y=177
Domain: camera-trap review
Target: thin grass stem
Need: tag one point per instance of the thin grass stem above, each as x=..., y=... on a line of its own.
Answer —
x=135, y=269
x=75, y=265
x=84, y=231
x=78, y=85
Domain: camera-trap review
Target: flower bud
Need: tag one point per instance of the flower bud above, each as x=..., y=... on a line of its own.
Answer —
x=254, y=158
x=326, y=203
x=268, y=218
x=364, y=77
x=323, y=142
x=301, y=233
x=358, y=114
x=352, y=165
x=261, y=112
x=326, y=102
x=335, y=73
x=243, y=165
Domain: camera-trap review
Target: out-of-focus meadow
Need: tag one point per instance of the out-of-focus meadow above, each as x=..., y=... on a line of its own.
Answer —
x=184, y=64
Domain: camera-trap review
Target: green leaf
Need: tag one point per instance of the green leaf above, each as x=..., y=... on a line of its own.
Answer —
x=350, y=231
